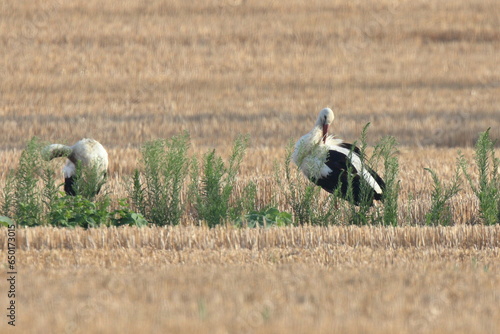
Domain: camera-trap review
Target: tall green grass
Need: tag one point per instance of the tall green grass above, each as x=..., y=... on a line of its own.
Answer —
x=440, y=211
x=386, y=150
x=212, y=186
x=487, y=185
x=31, y=189
x=156, y=189
x=22, y=194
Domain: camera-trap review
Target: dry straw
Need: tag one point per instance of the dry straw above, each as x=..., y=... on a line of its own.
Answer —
x=305, y=237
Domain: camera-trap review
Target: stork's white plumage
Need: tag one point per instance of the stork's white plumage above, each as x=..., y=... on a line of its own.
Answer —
x=326, y=161
x=87, y=151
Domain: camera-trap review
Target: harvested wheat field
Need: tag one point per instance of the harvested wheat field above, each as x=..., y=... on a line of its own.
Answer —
x=227, y=280
x=124, y=73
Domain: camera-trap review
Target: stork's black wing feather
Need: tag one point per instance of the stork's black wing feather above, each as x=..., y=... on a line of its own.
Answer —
x=355, y=149
x=351, y=147
x=341, y=165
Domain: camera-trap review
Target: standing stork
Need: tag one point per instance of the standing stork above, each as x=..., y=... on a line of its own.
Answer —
x=326, y=161
x=89, y=152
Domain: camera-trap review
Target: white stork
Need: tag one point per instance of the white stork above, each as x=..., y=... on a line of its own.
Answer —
x=326, y=161
x=88, y=151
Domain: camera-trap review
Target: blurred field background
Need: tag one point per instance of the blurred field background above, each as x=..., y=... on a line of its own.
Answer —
x=426, y=72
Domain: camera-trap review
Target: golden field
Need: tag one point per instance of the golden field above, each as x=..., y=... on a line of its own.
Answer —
x=275, y=280
x=425, y=72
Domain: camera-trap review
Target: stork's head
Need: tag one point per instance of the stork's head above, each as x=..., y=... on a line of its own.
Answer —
x=325, y=118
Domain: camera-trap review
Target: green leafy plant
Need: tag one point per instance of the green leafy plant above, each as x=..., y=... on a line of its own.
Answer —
x=137, y=192
x=72, y=211
x=156, y=191
x=386, y=150
x=487, y=187
x=50, y=190
x=6, y=221
x=22, y=193
x=440, y=211
x=212, y=186
x=8, y=194
x=245, y=202
x=124, y=216
x=267, y=217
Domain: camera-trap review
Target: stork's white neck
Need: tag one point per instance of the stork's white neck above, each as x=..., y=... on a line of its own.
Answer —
x=316, y=134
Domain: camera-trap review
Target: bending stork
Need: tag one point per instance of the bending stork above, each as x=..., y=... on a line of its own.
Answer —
x=326, y=161
x=87, y=151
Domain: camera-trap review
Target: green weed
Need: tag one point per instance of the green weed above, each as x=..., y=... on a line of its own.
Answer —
x=22, y=198
x=265, y=218
x=212, y=186
x=440, y=211
x=72, y=211
x=487, y=186
x=156, y=191
x=386, y=150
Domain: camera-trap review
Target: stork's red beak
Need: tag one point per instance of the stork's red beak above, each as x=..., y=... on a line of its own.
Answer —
x=325, y=132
